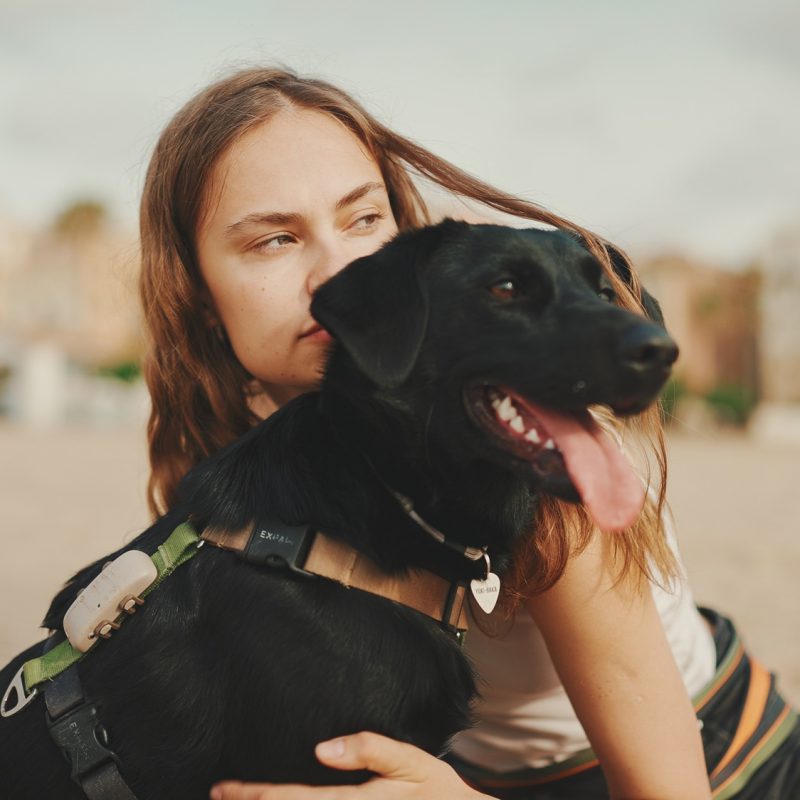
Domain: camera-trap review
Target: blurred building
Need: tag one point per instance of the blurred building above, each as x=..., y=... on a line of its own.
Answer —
x=15, y=246
x=780, y=314
x=16, y=243
x=74, y=288
x=777, y=418
x=68, y=307
x=713, y=315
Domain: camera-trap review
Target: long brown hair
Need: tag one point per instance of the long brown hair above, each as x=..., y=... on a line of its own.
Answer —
x=201, y=393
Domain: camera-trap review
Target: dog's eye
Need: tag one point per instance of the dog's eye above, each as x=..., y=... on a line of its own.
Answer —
x=504, y=290
x=608, y=294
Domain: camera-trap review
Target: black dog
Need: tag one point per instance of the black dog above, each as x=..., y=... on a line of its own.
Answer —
x=454, y=345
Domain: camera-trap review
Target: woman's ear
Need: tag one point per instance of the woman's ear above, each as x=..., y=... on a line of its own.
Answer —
x=211, y=318
x=377, y=307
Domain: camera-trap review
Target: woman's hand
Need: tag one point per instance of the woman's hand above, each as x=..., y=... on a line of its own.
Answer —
x=403, y=772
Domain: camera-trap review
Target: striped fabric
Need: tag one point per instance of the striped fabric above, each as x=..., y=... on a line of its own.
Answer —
x=741, y=699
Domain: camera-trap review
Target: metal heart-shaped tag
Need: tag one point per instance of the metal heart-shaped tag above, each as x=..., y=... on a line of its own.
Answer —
x=486, y=592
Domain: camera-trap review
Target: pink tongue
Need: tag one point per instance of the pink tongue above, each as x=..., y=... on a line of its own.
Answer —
x=605, y=480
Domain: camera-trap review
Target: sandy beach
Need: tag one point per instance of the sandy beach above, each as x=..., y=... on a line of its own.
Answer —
x=69, y=495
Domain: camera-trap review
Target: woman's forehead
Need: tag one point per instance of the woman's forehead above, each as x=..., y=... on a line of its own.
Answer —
x=299, y=161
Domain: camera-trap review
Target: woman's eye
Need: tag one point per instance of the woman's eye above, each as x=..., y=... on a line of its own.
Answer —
x=273, y=243
x=608, y=294
x=504, y=290
x=368, y=221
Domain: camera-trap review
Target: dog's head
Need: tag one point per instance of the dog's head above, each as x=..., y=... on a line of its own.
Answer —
x=498, y=340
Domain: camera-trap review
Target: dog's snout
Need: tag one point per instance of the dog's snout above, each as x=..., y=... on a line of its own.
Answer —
x=645, y=347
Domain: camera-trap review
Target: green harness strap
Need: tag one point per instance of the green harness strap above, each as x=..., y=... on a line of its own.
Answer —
x=179, y=547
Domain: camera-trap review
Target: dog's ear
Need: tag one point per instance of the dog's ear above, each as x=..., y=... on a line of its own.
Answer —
x=651, y=306
x=377, y=307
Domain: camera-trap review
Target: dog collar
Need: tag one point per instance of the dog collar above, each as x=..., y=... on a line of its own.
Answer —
x=310, y=552
x=485, y=590
x=472, y=553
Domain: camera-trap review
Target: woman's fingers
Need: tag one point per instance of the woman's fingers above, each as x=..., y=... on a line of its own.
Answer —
x=379, y=754
x=234, y=790
x=402, y=772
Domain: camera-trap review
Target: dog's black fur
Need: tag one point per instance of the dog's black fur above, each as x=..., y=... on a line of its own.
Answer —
x=231, y=671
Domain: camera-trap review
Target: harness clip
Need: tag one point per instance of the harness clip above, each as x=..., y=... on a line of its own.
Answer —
x=17, y=686
x=83, y=738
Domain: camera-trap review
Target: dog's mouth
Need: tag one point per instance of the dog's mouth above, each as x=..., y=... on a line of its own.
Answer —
x=568, y=452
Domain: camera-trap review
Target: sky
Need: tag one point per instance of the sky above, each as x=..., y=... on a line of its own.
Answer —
x=666, y=127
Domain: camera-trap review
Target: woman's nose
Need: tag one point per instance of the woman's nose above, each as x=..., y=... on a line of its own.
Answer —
x=332, y=257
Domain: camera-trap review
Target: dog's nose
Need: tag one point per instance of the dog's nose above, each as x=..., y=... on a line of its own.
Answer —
x=646, y=347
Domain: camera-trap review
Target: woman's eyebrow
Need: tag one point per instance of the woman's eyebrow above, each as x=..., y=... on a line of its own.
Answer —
x=262, y=218
x=359, y=192
x=288, y=218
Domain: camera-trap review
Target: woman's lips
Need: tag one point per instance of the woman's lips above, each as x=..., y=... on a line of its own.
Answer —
x=317, y=334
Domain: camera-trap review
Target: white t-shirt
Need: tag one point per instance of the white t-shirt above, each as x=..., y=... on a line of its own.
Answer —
x=524, y=716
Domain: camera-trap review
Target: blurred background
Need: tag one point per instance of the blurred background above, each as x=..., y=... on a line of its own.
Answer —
x=671, y=129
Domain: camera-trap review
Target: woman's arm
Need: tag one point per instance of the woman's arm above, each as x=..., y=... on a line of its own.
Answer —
x=403, y=773
x=612, y=655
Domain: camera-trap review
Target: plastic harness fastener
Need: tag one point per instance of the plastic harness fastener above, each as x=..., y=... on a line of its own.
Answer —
x=71, y=717
x=74, y=726
x=180, y=546
x=92, y=613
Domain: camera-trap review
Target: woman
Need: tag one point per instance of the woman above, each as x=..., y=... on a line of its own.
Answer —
x=261, y=188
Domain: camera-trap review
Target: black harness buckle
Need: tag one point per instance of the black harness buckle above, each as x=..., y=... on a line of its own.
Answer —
x=83, y=739
x=275, y=544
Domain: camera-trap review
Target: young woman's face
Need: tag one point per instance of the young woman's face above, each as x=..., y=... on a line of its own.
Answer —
x=291, y=203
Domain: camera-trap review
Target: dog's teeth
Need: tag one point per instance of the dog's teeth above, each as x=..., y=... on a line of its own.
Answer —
x=506, y=410
x=517, y=424
x=533, y=436
x=496, y=403
x=550, y=444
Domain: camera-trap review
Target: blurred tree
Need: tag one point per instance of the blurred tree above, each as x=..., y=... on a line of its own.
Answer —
x=732, y=403
x=81, y=219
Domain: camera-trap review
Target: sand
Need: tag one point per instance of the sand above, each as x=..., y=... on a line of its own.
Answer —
x=70, y=495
